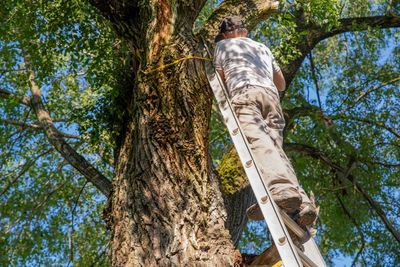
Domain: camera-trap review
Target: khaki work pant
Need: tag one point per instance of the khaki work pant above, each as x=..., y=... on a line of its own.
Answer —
x=260, y=115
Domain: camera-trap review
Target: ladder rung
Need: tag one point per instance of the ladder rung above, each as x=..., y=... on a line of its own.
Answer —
x=303, y=236
x=306, y=260
x=235, y=131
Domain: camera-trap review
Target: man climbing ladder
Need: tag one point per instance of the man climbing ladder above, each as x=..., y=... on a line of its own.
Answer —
x=253, y=79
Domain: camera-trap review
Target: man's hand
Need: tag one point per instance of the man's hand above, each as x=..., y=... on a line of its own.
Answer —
x=279, y=81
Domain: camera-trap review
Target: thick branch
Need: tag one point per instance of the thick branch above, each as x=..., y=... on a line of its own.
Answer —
x=318, y=33
x=362, y=24
x=345, y=176
x=252, y=11
x=57, y=140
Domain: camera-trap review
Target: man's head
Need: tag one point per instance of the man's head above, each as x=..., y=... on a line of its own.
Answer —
x=232, y=27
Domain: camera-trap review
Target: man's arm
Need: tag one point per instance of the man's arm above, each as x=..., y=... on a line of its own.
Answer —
x=279, y=81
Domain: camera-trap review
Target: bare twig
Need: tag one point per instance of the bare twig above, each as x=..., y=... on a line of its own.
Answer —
x=359, y=230
x=72, y=224
x=367, y=92
x=24, y=169
x=314, y=76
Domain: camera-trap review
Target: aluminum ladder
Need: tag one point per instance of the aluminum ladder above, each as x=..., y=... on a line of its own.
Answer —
x=291, y=255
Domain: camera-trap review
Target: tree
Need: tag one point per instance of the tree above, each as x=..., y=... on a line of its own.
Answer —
x=118, y=89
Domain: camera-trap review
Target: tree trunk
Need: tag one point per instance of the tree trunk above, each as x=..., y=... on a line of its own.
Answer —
x=167, y=209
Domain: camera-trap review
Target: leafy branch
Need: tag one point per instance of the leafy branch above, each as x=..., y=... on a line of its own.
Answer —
x=24, y=168
x=317, y=33
x=5, y=94
x=370, y=122
x=344, y=174
x=359, y=230
x=367, y=92
x=34, y=126
x=253, y=12
x=57, y=140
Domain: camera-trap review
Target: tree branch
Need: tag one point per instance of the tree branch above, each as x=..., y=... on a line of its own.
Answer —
x=57, y=140
x=252, y=11
x=366, y=93
x=21, y=124
x=34, y=126
x=345, y=176
x=304, y=110
x=382, y=125
x=25, y=100
x=362, y=24
x=360, y=232
x=25, y=167
x=317, y=33
x=314, y=76
x=385, y=164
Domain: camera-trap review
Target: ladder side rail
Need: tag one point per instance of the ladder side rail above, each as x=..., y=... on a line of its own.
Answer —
x=311, y=250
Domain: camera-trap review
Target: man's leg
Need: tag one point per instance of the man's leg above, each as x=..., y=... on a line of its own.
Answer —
x=250, y=105
x=261, y=118
x=273, y=117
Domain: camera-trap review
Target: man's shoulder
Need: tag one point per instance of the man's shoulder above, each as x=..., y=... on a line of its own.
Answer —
x=256, y=44
x=240, y=40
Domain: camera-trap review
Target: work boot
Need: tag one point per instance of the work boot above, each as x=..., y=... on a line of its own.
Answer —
x=308, y=214
x=288, y=200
